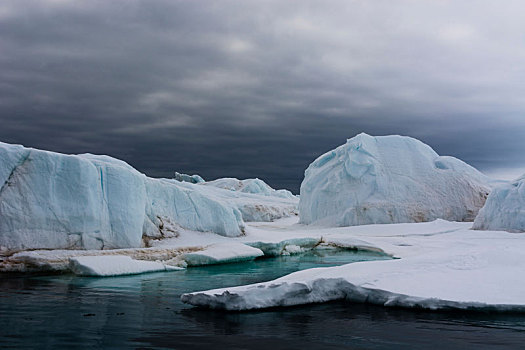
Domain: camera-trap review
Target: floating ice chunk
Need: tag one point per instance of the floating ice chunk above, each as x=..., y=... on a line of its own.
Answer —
x=222, y=253
x=389, y=179
x=114, y=265
x=504, y=209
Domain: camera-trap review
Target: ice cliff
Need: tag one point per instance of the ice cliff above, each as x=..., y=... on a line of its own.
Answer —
x=52, y=200
x=504, y=209
x=389, y=179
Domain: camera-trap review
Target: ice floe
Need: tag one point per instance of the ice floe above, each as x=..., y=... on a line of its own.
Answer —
x=439, y=265
x=114, y=265
x=222, y=253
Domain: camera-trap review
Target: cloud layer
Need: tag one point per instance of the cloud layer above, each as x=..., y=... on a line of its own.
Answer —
x=251, y=88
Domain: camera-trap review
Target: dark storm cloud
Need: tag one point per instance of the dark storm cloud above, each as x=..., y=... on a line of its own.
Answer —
x=261, y=88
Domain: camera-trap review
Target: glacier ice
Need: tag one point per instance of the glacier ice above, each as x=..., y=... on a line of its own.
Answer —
x=389, y=179
x=52, y=201
x=504, y=208
x=255, y=186
x=194, y=179
x=252, y=206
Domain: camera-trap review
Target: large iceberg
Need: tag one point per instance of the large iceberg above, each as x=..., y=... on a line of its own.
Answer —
x=51, y=200
x=389, y=179
x=504, y=209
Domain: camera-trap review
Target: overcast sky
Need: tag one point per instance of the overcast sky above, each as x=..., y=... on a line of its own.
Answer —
x=261, y=88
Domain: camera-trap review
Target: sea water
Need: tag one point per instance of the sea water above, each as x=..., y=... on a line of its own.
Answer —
x=145, y=311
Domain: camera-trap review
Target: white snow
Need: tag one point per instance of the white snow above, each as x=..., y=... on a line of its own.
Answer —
x=114, y=265
x=504, y=209
x=222, y=253
x=441, y=265
x=389, y=179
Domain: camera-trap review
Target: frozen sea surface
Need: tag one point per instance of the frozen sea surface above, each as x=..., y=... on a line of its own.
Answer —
x=145, y=311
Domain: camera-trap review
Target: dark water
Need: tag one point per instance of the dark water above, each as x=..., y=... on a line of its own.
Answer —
x=144, y=311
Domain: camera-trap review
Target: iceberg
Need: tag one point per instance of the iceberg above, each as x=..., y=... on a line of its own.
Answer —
x=115, y=265
x=504, y=209
x=389, y=179
x=255, y=186
x=55, y=201
x=252, y=206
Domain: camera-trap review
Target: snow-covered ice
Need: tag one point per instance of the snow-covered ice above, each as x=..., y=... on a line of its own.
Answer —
x=253, y=206
x=255, y=186
x=221, y=253
x=504, y=209
x=389, y=179
x=114, y=265
x=438, y=265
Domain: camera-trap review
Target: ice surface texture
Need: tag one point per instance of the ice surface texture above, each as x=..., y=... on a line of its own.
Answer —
x=115, y=265
x=389, y=179
x=255, y=186
x=442, y=265
x=222, y=253
x=52, y=200
x=504, y=209
x=194, y=179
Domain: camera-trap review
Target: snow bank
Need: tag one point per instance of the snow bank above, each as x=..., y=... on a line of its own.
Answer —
x=442, y=265
x=51, y=200
x=389, y=179
x=255, y=186
x=504, y=209
x=222, y=253
x=115, y=265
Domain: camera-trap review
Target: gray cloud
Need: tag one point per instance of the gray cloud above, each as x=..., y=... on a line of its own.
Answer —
x=261, y=89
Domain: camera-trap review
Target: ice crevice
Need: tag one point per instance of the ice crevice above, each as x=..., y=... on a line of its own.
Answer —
x=19, y=164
